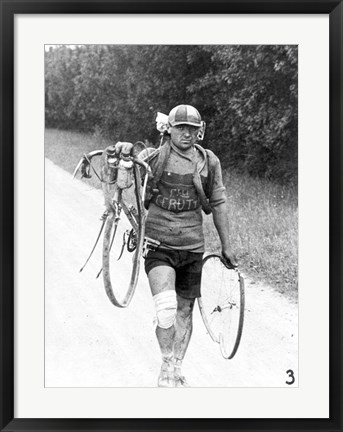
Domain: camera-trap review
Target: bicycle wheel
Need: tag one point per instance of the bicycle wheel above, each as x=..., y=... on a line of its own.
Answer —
x=120, y=277
x=222, y=304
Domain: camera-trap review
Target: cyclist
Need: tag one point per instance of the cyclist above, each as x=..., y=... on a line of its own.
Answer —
x=186, y=180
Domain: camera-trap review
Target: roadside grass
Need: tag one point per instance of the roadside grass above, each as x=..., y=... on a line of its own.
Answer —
x=66, y=148
x=263, y=216
x=263, y=220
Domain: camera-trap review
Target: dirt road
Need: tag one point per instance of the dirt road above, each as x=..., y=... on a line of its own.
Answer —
x=91, y=343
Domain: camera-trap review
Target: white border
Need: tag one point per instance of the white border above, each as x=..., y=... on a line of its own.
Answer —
x=311, y=33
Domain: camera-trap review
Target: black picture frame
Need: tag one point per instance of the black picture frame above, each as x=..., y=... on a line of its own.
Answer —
x=8, y=11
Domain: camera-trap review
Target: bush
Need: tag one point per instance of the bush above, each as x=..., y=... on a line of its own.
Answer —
x=246, y=94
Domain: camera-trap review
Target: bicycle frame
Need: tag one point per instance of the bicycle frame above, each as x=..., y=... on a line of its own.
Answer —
x=114, y=203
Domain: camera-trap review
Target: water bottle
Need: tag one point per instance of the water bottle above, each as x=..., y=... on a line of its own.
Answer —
x=125, y=173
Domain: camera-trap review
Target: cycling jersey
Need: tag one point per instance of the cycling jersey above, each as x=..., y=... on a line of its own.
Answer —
x=175, y=216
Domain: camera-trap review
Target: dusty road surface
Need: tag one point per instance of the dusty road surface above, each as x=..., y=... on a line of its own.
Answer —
x=91, y=343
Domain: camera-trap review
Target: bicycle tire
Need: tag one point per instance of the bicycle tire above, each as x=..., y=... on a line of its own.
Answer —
x=124, y=298
x=222, y=304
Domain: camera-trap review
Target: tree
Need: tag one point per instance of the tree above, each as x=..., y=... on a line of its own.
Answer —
x=247, y=94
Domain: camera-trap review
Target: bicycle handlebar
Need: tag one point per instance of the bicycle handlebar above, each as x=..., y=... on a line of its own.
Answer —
x=85, y=162
x=135, y=160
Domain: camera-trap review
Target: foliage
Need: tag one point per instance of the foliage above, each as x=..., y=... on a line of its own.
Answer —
x=246, y=94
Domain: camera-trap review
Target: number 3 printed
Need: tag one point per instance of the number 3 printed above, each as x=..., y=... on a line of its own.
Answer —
x=291, y=376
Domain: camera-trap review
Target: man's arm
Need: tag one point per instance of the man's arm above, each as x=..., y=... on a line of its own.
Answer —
x=220, y=219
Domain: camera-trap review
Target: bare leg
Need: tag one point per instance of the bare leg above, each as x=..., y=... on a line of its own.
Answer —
x=183, y=326
x=183, y=333
x=161, y=279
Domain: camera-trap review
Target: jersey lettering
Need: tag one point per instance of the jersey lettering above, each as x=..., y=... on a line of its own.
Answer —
x=176, y=193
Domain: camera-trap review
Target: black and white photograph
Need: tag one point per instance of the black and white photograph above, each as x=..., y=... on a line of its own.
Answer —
x=171, y=216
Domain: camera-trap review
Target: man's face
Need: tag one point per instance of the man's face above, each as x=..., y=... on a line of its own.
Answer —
x=183, y=136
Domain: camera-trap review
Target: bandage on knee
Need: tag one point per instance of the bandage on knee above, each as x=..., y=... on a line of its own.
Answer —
x=165, y=305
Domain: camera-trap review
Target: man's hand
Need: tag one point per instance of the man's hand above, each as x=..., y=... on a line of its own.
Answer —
x=124, y=148
x=229, y=258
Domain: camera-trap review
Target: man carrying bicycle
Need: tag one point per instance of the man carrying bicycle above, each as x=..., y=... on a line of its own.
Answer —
x=187, y=179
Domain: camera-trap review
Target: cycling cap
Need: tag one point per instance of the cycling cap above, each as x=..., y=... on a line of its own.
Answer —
x=184, y=114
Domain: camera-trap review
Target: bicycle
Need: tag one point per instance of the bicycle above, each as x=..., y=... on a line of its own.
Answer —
x=119, y=174
x=222, y=303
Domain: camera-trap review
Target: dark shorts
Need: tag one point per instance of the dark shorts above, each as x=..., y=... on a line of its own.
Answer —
x=187, y=266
